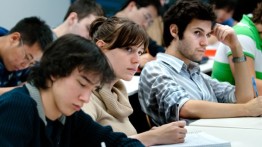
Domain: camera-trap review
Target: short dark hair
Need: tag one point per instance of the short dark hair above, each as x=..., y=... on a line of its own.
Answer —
x=33, y=30
x=84, y=8
x=145, y=3
x=118, y=32
x=257, y=13
x=66, y=54
x=224, y=4
x=182, y=13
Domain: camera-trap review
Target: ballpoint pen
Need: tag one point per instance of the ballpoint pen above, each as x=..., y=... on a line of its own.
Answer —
x=255, y=86
x=177, y=112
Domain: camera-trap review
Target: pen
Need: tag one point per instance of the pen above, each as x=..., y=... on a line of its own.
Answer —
x=177, y=112
x=255, y=86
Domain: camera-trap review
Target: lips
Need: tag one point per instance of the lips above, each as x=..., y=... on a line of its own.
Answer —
x=77, y=107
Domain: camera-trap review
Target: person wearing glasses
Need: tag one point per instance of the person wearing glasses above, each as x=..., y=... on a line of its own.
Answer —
x=21, y=48
x=46, y=111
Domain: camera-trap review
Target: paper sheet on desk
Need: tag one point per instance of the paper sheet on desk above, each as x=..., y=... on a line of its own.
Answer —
x=239, y=122
x=200, y=139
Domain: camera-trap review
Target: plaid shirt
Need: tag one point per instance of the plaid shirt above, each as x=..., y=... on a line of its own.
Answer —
x=168, y=81
x=9, y=79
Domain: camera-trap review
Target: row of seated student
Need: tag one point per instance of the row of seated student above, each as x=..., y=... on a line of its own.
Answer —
x=113, y=94
x=48, y=82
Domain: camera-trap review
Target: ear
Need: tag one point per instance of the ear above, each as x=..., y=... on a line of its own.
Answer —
x=72, y=18
x=14, y=37
x=173, y=30
x=100, y=43
x=131, y=5
x=52, y=78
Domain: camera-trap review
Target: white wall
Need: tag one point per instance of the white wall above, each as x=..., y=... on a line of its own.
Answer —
x=51, y=11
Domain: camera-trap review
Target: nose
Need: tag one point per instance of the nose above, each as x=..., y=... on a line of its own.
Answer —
x=24, y=65
x=135, y=58
x=85, y=96
x=204, y=41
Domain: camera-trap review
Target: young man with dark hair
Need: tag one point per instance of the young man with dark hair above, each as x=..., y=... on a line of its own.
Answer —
x=46, y=111
x=21, y=48
x=175, y=79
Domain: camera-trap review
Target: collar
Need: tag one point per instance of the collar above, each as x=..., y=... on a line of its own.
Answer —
x=178, y=64
x=35, y=95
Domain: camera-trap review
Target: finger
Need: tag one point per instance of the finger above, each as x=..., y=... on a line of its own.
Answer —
x=181, y=123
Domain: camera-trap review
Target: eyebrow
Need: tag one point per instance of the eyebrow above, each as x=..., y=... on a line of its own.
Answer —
x=198, y=28
x=89, y=81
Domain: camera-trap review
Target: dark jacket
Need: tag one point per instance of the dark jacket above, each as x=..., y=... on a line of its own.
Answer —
x=21, y=125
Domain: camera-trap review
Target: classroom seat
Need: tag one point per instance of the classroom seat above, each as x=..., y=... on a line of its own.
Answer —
x=139, y=119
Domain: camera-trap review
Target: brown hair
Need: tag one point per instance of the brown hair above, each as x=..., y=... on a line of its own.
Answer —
x=118, y=32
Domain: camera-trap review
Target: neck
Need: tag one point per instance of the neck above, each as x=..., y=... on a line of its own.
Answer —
x=120, y=14
x=173, y=51
x=50, y=108
x=61, y=30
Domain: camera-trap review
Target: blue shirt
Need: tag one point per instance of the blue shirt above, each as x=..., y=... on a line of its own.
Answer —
x=168, y=81
x=10, y=79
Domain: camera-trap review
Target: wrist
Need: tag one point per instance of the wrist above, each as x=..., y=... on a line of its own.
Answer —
x=239, y=59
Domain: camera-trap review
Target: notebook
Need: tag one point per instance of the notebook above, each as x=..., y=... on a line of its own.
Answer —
x=200, y=139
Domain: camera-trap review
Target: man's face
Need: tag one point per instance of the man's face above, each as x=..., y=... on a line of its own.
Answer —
x=18, y=56
x=143, y=16
x=193, y=45
x=70, y=93
x=82, y=27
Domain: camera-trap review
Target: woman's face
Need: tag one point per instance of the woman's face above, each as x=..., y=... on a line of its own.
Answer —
x=125, y=61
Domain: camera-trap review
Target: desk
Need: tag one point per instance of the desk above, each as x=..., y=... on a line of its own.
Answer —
x=237, y=136
x=132, y=86
x=207, y=67
x=241, y=131
x=240, y=122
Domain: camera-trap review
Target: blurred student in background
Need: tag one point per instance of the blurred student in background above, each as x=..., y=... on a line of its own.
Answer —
x=78, y=18
x=20, y=49
x=110, y=104
x=249, y=33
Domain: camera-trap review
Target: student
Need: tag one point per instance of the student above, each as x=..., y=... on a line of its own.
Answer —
x=110, y=104
x=143, y=13
x=21, y=48
x=78, y=18
x=224, y=10
x=47, y=110
x=174, y=78
x=249, y=33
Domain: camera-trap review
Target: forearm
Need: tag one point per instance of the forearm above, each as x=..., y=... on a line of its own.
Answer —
x=242, y=76
x=204, y=109
x=259, y=86
x=147, y=138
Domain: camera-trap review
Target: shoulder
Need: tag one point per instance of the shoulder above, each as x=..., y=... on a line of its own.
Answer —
x=18, y=95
